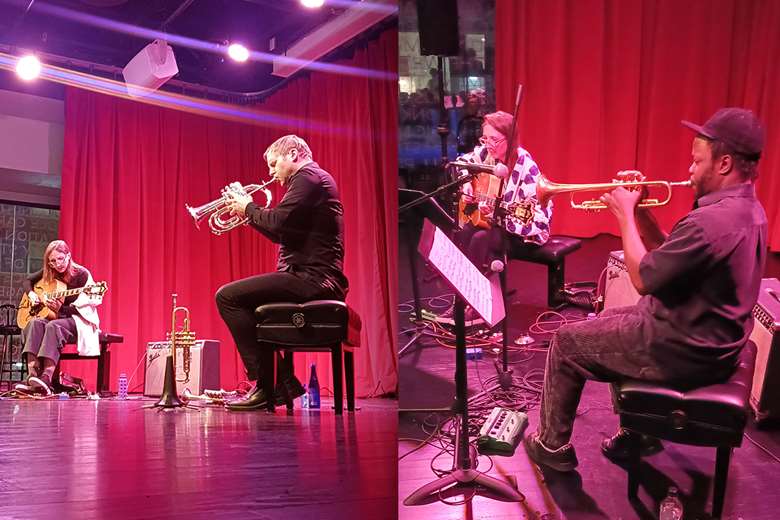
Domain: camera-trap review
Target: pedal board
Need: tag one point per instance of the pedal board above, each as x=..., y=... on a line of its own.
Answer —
x=501, y=432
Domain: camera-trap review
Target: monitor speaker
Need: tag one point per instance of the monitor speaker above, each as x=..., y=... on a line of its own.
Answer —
x=437, y=22
x=204, y=367
x=618, y=289
x=765, y=392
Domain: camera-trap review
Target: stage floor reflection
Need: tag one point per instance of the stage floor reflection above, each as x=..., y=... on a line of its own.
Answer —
x=114, y=459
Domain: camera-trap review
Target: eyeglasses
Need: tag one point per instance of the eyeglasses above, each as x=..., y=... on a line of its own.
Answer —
x=491, y=139
x=54, y=262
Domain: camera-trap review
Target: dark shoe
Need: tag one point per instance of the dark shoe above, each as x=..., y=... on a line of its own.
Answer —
x=617, y=446
x=291, y=387
x=254, y=400
x=41, y=384
x=563, y=459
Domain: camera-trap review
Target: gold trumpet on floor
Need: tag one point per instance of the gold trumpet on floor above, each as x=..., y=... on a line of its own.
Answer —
x=546, y=189
x=220, y=219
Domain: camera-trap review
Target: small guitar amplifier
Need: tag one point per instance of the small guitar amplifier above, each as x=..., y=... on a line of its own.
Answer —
x=618, y=289
x=765, y=393
x=204, y=367
x=501, y=432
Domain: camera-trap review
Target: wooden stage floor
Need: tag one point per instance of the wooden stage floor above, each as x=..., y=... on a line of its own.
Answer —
x=113, y=459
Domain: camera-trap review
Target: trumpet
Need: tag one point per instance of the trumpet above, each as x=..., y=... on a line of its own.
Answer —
x=220, y=220
x=546, y=189
x=181, y=337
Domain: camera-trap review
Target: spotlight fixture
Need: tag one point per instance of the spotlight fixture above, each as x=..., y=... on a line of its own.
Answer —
x=238, y=52
x=312, y=4
x=28, y=67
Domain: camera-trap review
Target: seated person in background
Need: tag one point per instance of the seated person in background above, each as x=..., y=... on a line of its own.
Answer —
x=72, y=320
x=699, y=286
x=480, y=239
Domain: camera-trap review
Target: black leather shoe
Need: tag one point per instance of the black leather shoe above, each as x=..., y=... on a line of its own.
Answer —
x=291, y=386
x=254, y=400
x=563, y=459
x=617, y=446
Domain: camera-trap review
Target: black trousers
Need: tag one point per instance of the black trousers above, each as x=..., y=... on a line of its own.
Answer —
x=238, y=300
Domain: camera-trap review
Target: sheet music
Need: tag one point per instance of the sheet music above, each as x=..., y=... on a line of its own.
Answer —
x=475, y=288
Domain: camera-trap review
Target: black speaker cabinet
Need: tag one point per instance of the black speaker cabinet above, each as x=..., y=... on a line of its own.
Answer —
x=437, y=22
x=765, y=394
x=204, y=367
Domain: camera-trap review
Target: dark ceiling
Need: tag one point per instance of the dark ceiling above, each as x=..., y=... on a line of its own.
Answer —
x=26, y=24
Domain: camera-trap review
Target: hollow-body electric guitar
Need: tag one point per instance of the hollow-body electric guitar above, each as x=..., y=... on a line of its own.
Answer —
x=52, y=291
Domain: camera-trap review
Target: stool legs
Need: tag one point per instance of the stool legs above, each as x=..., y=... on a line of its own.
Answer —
x=555, y=281
x=349, y=374
x=267, y=374
x=338, y=378
x=721, y=476
x=103, y=369
x=634, y=461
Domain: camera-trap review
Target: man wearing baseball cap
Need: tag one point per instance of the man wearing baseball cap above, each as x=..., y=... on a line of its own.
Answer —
x=698, y=284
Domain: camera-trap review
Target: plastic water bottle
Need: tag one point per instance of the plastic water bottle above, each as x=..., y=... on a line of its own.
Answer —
x=122, y=394
x=671, y=506
x=314, y=388
x=305, y=397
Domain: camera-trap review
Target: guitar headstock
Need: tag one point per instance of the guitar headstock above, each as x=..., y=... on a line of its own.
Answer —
x=97, y=289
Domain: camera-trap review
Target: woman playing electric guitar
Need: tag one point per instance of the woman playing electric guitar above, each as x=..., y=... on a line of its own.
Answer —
x=66, y=320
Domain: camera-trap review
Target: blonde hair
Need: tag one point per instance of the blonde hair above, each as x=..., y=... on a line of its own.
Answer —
x=50, y=274
x=285, y=144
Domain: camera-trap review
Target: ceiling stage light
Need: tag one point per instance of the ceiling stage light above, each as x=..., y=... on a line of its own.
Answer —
x=312, y=3
x=28, y=68
x=238, y=52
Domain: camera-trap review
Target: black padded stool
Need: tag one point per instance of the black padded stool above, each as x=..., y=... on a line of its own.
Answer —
x=553, y=255
x=103, y=360
x=319, y=325
x=713, y=415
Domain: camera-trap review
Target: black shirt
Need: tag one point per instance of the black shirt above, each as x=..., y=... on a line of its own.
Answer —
x=308, y=223
x=79, y=280
x=703, y=281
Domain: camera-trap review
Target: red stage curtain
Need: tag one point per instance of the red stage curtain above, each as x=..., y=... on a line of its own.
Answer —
x=129, y=168
x=606, y=83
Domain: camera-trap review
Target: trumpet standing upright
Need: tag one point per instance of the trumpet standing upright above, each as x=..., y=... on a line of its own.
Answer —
x=181, y=338
x=220, y=220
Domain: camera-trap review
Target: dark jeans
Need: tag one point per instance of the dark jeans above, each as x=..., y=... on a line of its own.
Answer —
x=238, y=300
x=614, y=346
x=481, y=246
x=44, y=339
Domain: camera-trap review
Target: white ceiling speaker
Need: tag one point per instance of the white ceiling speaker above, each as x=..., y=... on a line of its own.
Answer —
x=150, y=68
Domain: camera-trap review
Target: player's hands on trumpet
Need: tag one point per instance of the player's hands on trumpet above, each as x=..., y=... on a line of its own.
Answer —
x=621, y=201
x=237, y=199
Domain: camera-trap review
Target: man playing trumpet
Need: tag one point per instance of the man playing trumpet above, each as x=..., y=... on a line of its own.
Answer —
x=308, y=225
x=699, y=285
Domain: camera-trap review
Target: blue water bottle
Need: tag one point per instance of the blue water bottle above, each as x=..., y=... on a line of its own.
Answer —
x=314, y=388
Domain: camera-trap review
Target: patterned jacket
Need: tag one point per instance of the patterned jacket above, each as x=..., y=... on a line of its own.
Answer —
x=520, y=187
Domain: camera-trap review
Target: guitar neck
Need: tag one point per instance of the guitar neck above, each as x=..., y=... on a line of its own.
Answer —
x=64, y=294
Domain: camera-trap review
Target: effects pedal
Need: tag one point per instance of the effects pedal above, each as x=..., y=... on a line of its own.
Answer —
x=501, y=432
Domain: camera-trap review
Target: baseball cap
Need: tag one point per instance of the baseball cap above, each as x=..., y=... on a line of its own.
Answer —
x=737, y=127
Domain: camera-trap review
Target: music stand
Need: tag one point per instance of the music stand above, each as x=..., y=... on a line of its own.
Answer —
x=420, y=206
x=485, y=297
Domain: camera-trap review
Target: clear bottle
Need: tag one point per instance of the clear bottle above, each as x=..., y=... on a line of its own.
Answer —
x=314, y=388
x=305, y=397
x=671, y=506
x=122, y=393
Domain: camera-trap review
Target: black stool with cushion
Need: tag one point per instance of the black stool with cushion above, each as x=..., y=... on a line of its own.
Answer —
x=553, y=255
x=103, y=359
x=319, y=325
x=713, y=415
